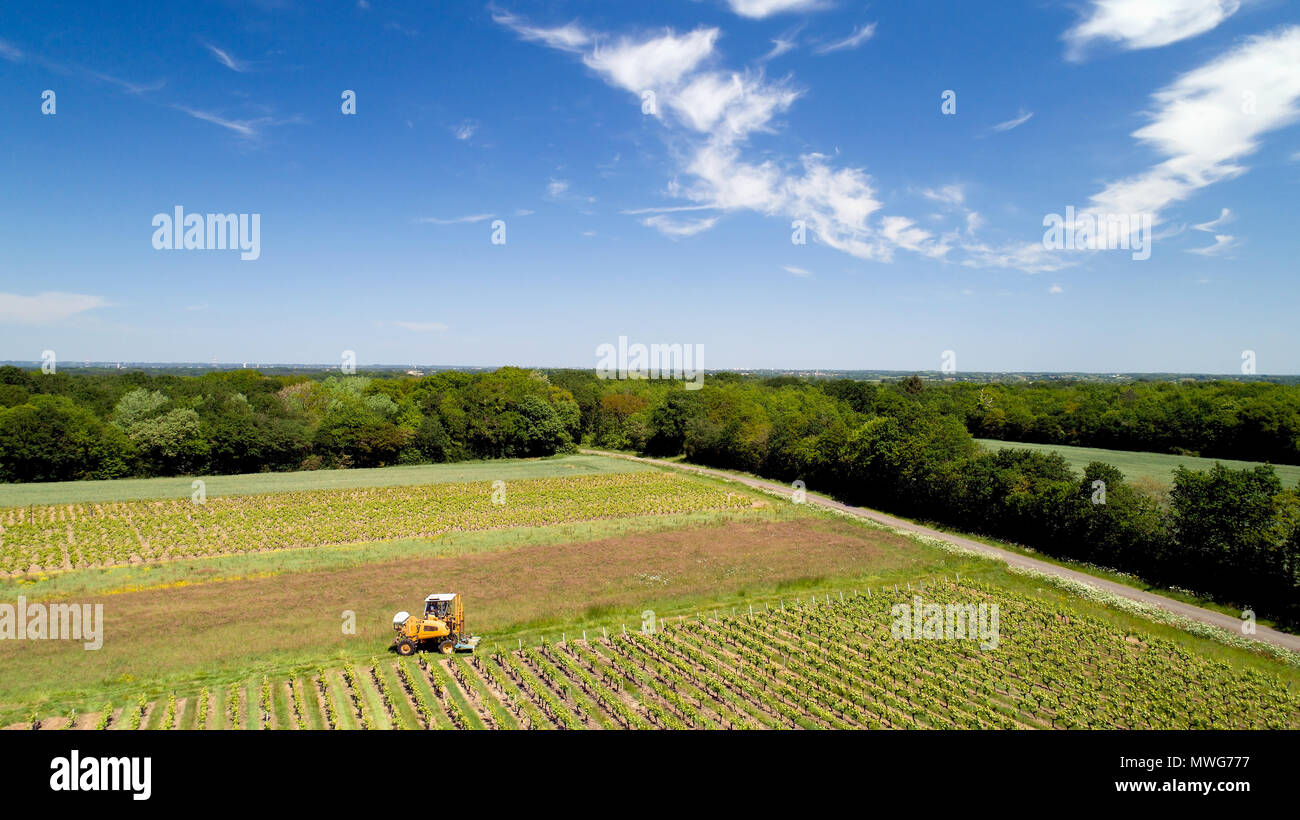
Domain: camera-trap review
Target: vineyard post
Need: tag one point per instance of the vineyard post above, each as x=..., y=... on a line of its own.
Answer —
x=751, y=610
x=584, y=636
x=959, y=577
x=604, y=634
x=624, y=630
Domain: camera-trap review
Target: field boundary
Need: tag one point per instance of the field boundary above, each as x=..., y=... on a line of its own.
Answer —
x=1016, y=561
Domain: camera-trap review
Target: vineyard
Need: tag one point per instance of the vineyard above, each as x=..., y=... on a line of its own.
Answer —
x=96, y=535
x=822, y=663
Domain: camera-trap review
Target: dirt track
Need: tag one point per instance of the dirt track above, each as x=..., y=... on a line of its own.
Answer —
x=1206, y=616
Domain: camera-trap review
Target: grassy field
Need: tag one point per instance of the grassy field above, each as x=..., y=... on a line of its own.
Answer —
x=1156, y=467
x=135, y=489
x=263, y=629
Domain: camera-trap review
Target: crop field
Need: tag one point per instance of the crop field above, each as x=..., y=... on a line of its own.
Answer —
x=814, y=663
x=138, y=489
x=81, y=535
x=1155, y=467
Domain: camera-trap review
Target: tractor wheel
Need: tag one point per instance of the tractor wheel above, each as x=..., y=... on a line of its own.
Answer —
x=406, y=648
x=446, y=647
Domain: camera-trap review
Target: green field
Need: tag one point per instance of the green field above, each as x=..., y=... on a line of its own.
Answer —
x=134, y=489
x=1157, y=467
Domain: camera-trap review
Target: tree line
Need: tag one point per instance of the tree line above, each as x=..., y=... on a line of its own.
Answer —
x=57, y=427
x=1251, y=421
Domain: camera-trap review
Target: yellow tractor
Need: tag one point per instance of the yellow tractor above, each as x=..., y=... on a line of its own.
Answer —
x=442, y=626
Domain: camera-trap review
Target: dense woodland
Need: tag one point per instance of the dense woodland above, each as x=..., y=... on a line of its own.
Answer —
x=905, y=446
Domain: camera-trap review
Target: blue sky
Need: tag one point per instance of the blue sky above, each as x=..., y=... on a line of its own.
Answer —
x=664, y=219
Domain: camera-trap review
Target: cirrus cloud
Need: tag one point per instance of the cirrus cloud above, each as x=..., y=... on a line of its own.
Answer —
x=46, y=307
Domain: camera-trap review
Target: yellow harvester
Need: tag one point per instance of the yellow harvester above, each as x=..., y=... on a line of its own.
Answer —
x=442, y=626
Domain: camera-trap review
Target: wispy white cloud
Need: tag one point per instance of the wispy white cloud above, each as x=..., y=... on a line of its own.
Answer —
x=10, y=52
x=227, y=59
x=860, y=35
x=1015, y=122
x=126, y=85
x=948, y=194
x=676, y=228
x=1222, y=242
x=557, y=187
x=780, y=45
x=712, y=113
x=1138, y=24
x=1209, y=119
x=245, y=128
x=802, y=272
x=654, y=63
x=47, y=307
x=455, y=220
x=1030, y=257
x=1225, y=216
x=465, y=130
x=570, y=37
x=758, y=9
